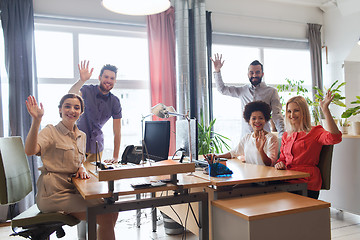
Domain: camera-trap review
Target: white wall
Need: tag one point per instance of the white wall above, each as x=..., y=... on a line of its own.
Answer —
x=262, y=18
x=341, y=33
x=246, y=17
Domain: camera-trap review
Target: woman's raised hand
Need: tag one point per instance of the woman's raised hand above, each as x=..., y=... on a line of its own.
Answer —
x=329, y=96
x=260, y=140
x=34, y=110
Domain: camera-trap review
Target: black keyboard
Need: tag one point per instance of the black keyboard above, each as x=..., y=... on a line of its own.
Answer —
x=201, y=163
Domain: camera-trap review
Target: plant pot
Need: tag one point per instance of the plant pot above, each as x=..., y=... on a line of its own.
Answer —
x=356, y=128
x=344, y=129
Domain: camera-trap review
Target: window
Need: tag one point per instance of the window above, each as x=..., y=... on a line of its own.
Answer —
x=54, y=54
x=281, y=59
x=4, y=90
x=59, y=49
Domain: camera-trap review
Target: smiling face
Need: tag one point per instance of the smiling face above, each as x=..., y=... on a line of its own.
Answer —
x=293, y=114
x=107, y=81
x=70, y=110
x=257, y=121
x=255, y=74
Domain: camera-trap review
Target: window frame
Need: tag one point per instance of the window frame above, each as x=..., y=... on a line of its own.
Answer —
x=77, y=27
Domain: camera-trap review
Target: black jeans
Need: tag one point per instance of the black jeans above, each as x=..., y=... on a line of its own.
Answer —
x=313, y=194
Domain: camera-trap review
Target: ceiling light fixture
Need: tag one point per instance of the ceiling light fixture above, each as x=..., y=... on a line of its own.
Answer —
x=136, y=7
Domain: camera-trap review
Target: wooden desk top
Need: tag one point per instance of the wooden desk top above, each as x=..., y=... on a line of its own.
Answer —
x=244, y=173
x=146, y=170
x=93, y=189
x=269, y=205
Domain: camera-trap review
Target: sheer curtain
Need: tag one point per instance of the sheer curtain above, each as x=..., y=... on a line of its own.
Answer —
x=17, y=20
x=314, y=35
x=161, y=37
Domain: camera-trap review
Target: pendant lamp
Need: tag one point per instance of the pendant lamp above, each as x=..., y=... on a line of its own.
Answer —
x=136, y=7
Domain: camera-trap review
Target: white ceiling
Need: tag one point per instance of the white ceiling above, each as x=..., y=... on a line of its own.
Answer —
x=87, y=7
x=312, y=3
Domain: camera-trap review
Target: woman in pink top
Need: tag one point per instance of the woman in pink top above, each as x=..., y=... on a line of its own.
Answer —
x=301, y=143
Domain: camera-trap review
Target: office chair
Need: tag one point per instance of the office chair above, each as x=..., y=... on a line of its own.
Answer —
x=324, y=165
x=15, y=184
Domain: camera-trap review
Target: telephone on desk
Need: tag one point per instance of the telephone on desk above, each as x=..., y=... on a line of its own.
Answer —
x=132, y=154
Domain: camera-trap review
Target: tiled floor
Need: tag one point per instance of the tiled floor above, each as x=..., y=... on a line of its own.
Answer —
x=125, y=229
x=344, y=226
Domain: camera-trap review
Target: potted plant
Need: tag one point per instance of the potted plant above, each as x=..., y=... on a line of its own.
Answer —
x=352, y=112
x=344, y=125
x=208, y=140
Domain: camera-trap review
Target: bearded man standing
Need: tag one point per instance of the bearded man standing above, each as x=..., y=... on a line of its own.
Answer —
x=255, y=91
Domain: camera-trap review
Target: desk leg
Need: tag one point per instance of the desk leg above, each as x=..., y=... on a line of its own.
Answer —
x=201, y=197
x=153, y=214
x=138, y=212
x=204, y=219
x=91, y=224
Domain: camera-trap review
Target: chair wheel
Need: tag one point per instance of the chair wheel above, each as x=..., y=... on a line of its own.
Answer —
x=60, y=233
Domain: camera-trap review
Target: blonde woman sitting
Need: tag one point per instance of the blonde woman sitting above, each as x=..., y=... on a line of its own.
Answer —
x=301, y=144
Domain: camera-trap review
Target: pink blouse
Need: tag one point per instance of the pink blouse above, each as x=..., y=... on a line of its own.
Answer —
x=300, y=151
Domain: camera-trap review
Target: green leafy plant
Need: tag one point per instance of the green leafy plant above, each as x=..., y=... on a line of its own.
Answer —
x=353, y=110
x=292, y=87
x=319, y=96
x=344, y=122
x=296, y=88
x=210, y=141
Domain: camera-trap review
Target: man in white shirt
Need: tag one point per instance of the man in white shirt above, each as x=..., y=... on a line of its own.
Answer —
x=256, y=91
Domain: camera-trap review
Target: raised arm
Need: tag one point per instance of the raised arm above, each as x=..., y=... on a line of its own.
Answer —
x=223, y=88
x=85, y=75
x=324, y=104
x=218, y=63
x=36, y=112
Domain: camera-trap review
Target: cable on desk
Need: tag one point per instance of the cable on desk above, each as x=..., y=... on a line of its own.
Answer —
x=181, y=223
x=197, y=222
x=180, y=149
x=186, y=218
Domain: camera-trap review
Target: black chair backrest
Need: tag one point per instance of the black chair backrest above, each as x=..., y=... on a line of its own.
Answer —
x=324, y=165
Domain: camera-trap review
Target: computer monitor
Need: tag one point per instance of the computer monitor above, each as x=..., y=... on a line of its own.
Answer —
x=156, y=140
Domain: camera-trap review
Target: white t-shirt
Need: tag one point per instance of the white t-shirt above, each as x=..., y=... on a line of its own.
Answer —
x=247, y=147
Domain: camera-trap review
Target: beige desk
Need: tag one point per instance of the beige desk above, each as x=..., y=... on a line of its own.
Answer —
x=247, y=179
x=244, y=173
x=280, y=216
x=93, y=188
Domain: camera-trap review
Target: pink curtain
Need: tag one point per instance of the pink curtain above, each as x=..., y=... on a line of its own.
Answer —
x=161, y=38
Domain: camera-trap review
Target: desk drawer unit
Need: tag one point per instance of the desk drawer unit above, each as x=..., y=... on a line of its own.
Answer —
x=278, y=216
